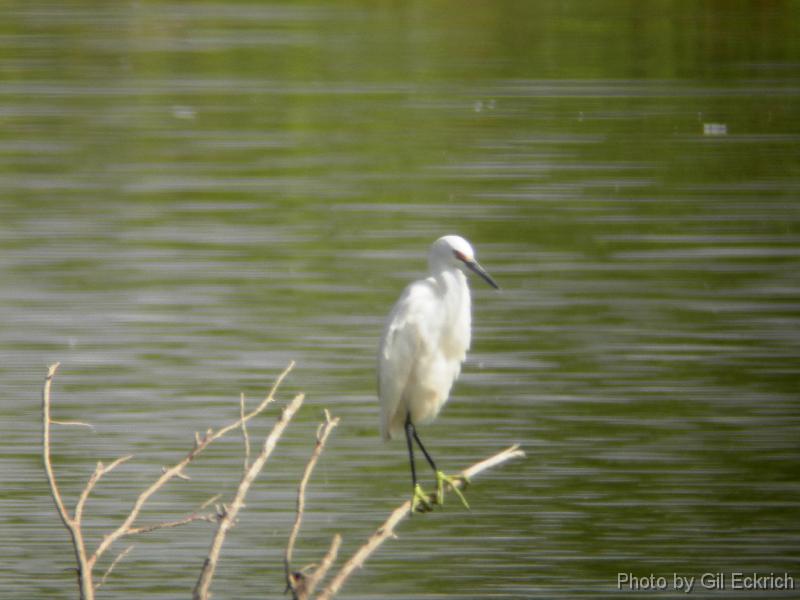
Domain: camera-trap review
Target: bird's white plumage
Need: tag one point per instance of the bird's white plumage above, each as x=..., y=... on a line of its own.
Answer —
x=425, y=340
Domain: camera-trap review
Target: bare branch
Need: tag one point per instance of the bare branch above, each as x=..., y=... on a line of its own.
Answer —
x=319, y=574
x=491, y=462
x=386, y=530
x=210, y=501
x=48, y=466
x=201, y=591
x=73, y=525
x=323, y=431
x=245, y=436
x=201, y=443
x=116, y=463
x=86, y=490
x=72, y=423
x=210, y=517
x=99, y=471
x=110, y=568
x=179, y=474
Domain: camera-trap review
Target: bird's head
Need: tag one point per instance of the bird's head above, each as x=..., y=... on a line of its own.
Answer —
x=454, y=251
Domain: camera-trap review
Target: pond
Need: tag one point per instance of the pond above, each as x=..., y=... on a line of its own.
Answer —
x=194, y=194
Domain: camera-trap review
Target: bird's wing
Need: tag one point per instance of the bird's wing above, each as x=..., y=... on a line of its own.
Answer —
x=403, y=341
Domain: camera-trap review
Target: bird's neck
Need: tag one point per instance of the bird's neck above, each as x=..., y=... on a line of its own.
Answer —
x=456, y=303
x=450, y=280
x=454, y=289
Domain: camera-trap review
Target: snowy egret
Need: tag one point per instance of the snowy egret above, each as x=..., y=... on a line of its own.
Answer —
x=425, y=340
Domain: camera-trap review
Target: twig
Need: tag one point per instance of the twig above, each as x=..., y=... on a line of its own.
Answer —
x=201, y=443
x=323, y=431
x=73, y=525
x=327, y=562
x=48, y=467
x=110, y=568
x=210, y=517
x=245, y=436
x=210, y=501
x=386, y=530
x=72, y=424
x=99, y=471
x=201, y=591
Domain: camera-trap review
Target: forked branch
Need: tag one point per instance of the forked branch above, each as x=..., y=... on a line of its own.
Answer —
x=74, y=522
x=201, y=590
x=201, y=443
x=386, y=531
x=303, y=586
x=302, y=583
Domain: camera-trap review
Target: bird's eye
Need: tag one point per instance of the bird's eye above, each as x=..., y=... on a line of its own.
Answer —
x=459, y=256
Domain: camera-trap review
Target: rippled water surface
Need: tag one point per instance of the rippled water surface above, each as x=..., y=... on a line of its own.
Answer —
x=194, y=194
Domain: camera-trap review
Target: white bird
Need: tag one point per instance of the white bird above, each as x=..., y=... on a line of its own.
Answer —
x=424, y=342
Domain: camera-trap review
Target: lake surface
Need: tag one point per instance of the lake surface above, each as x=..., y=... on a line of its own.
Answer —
x=194, y=194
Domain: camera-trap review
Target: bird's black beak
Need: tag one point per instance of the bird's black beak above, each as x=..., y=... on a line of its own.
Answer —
x=476, y=268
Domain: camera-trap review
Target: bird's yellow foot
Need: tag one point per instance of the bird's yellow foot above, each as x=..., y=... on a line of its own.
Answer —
x=441, y=479
x=420, y=501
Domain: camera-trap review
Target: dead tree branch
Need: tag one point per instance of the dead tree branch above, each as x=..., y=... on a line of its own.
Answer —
x=386, y=530
x=201, y=590
x=327, y=562
x=73, y=523
x=245, y=436
x=305, y=591
x=302, y=583
x=201, y=443
x=113, y=564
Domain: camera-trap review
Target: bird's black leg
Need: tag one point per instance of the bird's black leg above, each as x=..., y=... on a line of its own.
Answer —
x=441, y=478
x=409, y=432
x=424, y=451
x=419, y=501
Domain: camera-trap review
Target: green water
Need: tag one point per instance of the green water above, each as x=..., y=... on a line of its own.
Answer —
x=194, y=193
